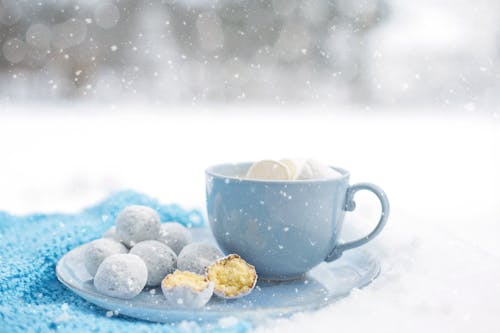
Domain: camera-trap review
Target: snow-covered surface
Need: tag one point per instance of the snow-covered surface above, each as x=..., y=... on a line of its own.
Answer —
x=440, y=253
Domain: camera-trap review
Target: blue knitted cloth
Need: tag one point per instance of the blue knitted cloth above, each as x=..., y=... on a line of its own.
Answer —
x=31, y=297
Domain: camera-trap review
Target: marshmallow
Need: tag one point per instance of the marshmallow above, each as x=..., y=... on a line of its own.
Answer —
x=312, y=169
x=295, y=165
x=269, y=169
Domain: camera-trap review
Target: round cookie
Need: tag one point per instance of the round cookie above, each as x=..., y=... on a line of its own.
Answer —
x=159, y=259
x=121, y=276
x=195, y=257
x=111, y=233
x=174, y=235
x=136, y=223
x=98, y=250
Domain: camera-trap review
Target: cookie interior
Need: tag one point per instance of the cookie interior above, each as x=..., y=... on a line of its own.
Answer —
x=185, y=279
x=232, y=276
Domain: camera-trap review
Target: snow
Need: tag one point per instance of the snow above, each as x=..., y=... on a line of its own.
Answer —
x=439, y=253
x=64, y=316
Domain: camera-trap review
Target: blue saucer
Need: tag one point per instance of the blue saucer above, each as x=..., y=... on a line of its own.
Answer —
x=325, y=284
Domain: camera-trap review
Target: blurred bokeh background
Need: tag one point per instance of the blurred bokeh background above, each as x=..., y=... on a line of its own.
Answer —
x=382, y=52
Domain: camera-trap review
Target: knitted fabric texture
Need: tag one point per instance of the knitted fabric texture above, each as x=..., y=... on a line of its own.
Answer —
x=31, y=297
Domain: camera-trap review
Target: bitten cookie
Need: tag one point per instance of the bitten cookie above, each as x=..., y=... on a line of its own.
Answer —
x=184, y=289
x=232, y=276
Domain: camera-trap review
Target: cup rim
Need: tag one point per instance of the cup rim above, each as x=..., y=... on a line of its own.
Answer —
x=210, y=172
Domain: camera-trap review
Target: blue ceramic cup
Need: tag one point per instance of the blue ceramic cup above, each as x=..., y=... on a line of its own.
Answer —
x=283, y=228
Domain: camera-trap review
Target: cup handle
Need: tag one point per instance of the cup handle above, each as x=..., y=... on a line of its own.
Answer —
x=350, y=205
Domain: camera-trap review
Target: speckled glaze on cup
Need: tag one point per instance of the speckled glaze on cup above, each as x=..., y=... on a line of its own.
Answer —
x=283, y=228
